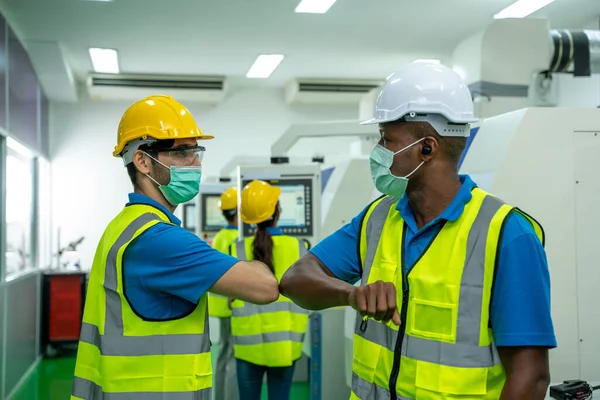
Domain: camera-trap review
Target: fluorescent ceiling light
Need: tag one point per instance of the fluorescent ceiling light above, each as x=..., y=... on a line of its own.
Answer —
x=105, y=61
x=522, y=8
x=314, y=6
x=264, y=65
x=428, y=61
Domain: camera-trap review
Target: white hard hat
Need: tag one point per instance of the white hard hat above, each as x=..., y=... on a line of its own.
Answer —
x=426, y=92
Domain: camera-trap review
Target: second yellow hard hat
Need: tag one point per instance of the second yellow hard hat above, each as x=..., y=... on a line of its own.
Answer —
x=228, y=199
x=259, y=200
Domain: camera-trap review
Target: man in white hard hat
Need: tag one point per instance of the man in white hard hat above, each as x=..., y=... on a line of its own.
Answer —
x=455, y=289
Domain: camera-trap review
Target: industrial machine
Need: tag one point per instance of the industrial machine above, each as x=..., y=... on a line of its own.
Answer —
x=347, y=181
x=545, y=161
x=203, y=215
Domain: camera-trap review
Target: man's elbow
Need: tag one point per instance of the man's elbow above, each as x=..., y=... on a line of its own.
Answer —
x=285, y=282
x=269, y=293
x=543, y=381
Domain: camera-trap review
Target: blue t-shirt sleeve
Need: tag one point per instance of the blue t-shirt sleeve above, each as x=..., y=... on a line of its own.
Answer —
x=339, y=251
x=520, y=310
x=172, y=260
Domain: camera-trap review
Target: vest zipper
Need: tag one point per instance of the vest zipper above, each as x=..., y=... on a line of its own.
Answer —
x=400, y=338
x=402, y=327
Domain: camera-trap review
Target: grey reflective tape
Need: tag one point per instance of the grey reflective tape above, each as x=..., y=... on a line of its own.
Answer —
x=110, y=277
x=302, y=248
x=375, y=225
x=471, y=286
x=114, y=313
x=452, y=355
x=240, y=249
x=271, y=337
x=369, y=391
x=88, y=390
x=461, y=355
x=377, y=333
x=252, y=309
x=144, y=345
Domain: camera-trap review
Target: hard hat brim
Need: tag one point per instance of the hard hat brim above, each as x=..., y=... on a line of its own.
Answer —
x=121, y=146
x=374, y=121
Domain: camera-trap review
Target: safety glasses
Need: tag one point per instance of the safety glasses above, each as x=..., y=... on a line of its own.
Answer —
x=185, y=154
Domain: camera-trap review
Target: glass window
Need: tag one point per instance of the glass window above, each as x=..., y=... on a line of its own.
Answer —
x=19, y=208
x=44, y=233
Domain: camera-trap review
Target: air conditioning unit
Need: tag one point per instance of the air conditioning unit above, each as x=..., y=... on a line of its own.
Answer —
x=201, y=89
x=321, y=91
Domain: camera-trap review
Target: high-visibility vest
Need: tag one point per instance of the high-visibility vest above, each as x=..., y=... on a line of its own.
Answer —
x=120, y=354
x=270, y=335
x=444, y=346
x=217, y=304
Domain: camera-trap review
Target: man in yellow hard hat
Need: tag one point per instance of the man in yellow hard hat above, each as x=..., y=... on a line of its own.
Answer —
x=145, y=325
x=225, y=371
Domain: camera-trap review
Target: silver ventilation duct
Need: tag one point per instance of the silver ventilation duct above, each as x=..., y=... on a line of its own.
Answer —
x=577, y=52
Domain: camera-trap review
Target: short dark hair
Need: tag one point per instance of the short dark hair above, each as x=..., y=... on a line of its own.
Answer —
x=452, y=146
x=152, y=149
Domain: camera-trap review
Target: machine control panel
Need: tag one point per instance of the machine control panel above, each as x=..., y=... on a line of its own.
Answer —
x=296, y=217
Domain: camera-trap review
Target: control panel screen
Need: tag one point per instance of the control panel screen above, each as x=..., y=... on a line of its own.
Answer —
x=293, y=206
x=212, y=216
x=296, y=207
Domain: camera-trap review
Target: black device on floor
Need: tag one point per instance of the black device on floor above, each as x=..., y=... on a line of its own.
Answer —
x=573, y=389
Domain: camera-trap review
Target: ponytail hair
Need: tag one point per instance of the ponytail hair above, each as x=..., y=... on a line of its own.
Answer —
x=262, y=248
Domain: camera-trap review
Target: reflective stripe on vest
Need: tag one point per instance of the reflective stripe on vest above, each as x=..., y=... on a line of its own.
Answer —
x=85, y=389
x=114, y=342
x=466, y=352
x=365, y=390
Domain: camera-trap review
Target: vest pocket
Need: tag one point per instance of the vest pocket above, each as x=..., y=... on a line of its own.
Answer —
x=433, y=320
x=442, y=379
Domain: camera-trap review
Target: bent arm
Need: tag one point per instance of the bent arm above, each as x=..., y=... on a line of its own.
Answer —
x=250, y=281
x=312, y=286
x=527, y=372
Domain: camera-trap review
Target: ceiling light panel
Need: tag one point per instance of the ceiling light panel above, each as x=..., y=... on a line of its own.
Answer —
x=264, y=66
x=105, y=61
x=314, y=6
x=522, y=8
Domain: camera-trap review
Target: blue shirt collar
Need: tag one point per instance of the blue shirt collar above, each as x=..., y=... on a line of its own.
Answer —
x=451, y=213
x=138, y=198
x=231, y=228
x=274, y=231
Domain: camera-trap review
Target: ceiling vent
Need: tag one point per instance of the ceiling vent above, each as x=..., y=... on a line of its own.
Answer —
x=320, y=91
x=201, y=89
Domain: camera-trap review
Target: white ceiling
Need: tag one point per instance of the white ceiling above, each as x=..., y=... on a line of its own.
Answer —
x=355, y=39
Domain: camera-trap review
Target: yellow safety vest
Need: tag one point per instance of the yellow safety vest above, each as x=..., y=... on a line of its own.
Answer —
x=270, y=335
x=217, y=304
x=444, y=347
x=121, y=355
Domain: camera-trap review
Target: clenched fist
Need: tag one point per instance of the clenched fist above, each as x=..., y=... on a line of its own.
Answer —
x=376, y=300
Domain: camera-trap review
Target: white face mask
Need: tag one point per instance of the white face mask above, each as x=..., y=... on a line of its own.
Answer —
x=381, y=160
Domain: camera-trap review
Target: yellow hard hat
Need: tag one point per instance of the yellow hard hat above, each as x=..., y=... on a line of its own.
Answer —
x=228, y=199
x=157, y=117
x=259, y=200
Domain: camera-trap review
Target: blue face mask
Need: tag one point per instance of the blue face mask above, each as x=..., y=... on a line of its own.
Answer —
x=184, y=184
x=381, y=160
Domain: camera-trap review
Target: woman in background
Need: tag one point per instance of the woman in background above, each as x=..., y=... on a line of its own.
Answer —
x=267, y=339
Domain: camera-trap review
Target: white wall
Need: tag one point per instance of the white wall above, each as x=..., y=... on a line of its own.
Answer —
x=90, y=186
x=578, y=92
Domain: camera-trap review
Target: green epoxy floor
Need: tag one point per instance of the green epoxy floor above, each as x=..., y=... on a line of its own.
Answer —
x=52, y=380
